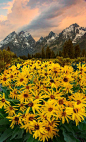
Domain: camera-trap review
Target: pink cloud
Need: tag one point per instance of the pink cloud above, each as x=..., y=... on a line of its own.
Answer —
x=3, y=18
x=19, y=14
x=55, y=15
x=76, y=14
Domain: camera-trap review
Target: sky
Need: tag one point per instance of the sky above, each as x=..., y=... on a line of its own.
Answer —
x=39, y=17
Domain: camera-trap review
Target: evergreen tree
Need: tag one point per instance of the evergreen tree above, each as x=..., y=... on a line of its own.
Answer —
x=23, y=57
x=37, y=55
x=68, y=49
x=77, y=51
x=83, y=53
x=8, y=48
x=60, y=53
x=52, y=55
x=43, y=53
x=57, y=54
x=65, y=50
x=29, y=56
x=48, y=53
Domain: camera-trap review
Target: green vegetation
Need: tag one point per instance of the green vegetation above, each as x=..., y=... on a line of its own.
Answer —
x=68, y=51
x=8, y=58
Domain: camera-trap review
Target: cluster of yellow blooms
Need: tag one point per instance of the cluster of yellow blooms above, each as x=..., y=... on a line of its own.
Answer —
x=44, y=95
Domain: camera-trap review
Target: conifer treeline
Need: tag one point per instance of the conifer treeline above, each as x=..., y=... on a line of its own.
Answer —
x=68, y=51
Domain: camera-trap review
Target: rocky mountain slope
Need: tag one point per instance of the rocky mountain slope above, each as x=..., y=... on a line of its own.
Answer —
x=23, y=43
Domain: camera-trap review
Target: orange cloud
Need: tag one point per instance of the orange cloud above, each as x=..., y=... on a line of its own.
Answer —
x=19, y=14
x=9, y=6
x=74, y=14
x=3, y=18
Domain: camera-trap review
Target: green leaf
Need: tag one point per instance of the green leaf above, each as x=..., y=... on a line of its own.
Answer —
x=20, y=134
x=17, y=133
x=58, y=139
x=68, y=128
x=26, y=136
x=2, y=129
x=82, y=126
x=1, y=115
x=8, y=140
x=4, y=121
x=7, y=133
x=31, y=139
x=68, y=137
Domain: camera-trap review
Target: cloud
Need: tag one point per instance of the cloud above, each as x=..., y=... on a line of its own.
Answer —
x=3, y=18
x=41, y=16
x=51, y=9
x=19, y=14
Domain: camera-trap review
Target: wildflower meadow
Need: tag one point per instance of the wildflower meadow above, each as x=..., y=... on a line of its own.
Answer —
x=43, y=101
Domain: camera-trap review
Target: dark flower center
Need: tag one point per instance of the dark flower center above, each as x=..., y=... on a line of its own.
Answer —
x=52, y=81
x=31, y=118
x=14, y=92
x=61, y=102
x=11, y=76
x=63, y=113
x=30, y=104
x=23, y=115
x=16, y=119
x=4, y=79
x=3, y=100
x=36, y=97
x=25, y=95
x=21, y=79
x=78, y=102
x=37, y=127
x=55, y=71
x=52, y=97
x=46, y=74
x=27, y=87
x=50, y=109
x=47, y=128
x=41, y=83
x=65, y=79
x=21, y=105
x=11, y=108
x=81, y=69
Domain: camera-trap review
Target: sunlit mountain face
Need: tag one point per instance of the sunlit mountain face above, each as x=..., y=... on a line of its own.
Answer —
x=23, y=43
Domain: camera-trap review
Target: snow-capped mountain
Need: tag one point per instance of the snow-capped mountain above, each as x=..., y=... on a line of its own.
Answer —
x=55, y=42
x=9, y=38
x=23, y=43
x=74, y=32
x=48, y=39
x=20, y=43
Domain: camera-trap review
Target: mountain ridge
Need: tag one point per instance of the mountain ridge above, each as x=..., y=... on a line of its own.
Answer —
x=23, y=43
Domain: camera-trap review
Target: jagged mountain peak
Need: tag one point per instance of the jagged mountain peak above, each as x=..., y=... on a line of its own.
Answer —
x=24, y=33
x=51, y=33
x=11, y=34
x=23, y=43
x=41, y=39
x=74, y=25
x=9, y=38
